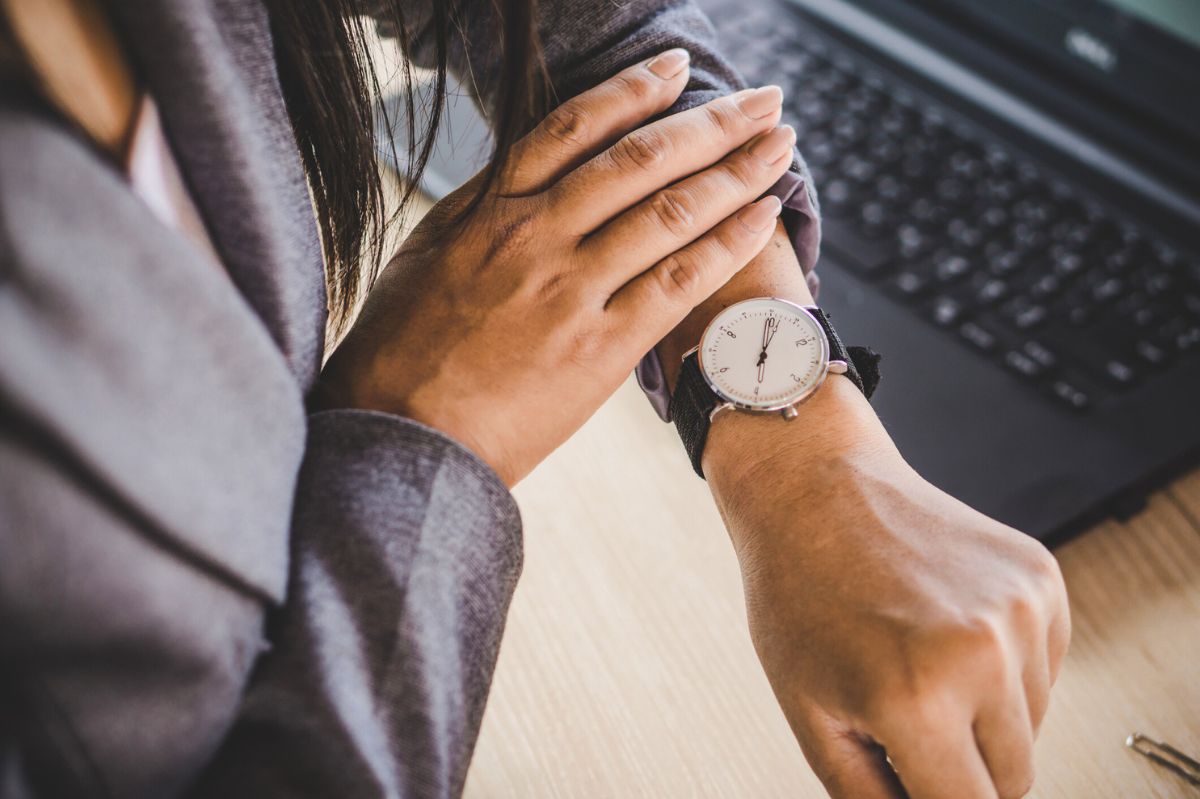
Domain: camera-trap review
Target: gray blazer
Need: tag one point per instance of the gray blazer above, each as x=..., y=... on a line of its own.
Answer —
x=203, y=589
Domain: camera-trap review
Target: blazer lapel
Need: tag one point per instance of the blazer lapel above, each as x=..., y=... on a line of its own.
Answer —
x=210, y=66
x=120, y=341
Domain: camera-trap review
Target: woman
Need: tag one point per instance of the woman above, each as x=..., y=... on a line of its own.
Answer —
x=207, y=587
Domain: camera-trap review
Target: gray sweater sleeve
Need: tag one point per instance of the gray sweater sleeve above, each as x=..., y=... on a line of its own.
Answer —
x=584, y=43
x=406, y=551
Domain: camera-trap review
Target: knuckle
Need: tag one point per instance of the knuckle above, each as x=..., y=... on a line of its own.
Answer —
x=512, y=237
x=1027, y=610
x=985, y=646
x=672, y=210
x=1046, y=569
x=567, y=124
x=1016, y=782
x=1044, y=579
x=720, y=116
x=728, y=241
x=641, y=149
x=680, y=275
x=555, y=286
x=740, y=172
x=634, y=84
x=986, y=631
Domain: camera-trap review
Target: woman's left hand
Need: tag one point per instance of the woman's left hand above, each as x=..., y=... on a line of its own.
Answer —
x=509, y=330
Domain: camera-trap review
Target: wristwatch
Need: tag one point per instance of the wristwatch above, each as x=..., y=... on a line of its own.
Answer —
x=763, y=355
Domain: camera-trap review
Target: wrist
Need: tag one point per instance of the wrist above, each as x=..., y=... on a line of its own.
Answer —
x=774, y=272
x=752, y=460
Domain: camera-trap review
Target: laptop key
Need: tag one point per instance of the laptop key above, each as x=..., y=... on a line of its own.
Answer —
x=991, y=291
x=978, y=336
x=1040, y=353
x=1157, y=285
x=910, y=283
x=1022, y=364
x=964, y=234
x=994, y=217
x=1071, y=395
x=1029, y=317
x=874, y=220
x=1066, y=263
x=1188, y=339
x=1046, y=287
x=946, y=311
x=837, y=197
x=952, y=267
x=1108, y=290
x=1120, y=372
x=1150, y=353
x=1005, y=262
x=1148, y=316
x=912, y=241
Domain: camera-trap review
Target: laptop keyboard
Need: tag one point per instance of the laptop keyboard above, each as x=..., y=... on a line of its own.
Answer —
x=972, y=237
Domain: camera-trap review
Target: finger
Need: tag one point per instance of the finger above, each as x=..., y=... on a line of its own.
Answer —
x=1049, y=619
x=1005, y=738
x=1035, y=680
x=657, y=300
x=589, y=122
x=940, y=762
x=1059, y=639
x=660, y=153
x=678, y=214
x=849, y=765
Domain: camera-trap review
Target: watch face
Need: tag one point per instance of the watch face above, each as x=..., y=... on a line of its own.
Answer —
x=764, y=354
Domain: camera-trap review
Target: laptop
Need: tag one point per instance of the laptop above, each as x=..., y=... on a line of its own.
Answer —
x=1011, y=204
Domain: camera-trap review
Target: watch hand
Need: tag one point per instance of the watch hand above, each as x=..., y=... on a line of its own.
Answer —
x=766, y=333
x=762, y=369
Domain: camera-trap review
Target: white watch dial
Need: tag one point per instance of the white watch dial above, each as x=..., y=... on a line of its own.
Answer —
x=764, y=354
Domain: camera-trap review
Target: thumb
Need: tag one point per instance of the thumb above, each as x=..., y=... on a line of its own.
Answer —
x=849, y=764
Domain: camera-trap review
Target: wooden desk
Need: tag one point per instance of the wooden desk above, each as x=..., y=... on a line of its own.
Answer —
x=627, y=670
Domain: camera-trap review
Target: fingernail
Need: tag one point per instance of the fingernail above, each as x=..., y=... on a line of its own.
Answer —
x=762, y=213
x=758, y=103
x=669, y=64
x=774, y=145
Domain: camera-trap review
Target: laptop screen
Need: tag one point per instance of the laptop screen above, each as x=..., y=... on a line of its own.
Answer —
x=1174, y=17
x=1143, y=55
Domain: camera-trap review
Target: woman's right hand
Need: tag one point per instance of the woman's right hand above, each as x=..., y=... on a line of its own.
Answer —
x=603, y=232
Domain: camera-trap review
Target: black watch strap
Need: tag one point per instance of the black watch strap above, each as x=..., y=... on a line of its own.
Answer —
x=693, y=401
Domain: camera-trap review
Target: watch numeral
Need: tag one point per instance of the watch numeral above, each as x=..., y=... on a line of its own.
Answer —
x=801, y=342
x=730, y=333
x=724, y=369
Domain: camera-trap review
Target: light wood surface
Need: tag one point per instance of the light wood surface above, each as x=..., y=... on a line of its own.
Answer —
x=627, y=671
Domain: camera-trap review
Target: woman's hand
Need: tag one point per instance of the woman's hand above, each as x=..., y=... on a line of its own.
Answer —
x=508, y=332
x=889, y=617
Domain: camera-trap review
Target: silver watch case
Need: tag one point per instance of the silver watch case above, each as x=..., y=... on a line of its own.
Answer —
x=788, y=409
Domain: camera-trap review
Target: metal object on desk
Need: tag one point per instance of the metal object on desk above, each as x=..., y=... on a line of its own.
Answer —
x=1166, y=756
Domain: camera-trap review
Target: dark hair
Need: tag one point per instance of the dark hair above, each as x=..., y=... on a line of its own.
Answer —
x=330, y=84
